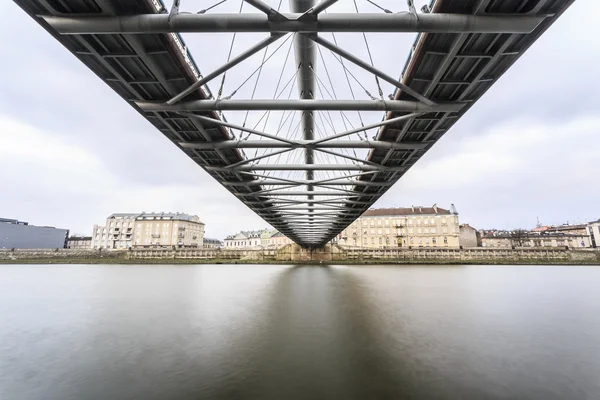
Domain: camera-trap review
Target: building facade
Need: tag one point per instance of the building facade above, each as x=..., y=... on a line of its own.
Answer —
x=278, y=240
x=412, y=227
x=468, y=236
x=123, y=231
x=15, y=234
x=79, y=242
x=594, y=231
x=529, y=239
x=244, y=239
x=212, y=243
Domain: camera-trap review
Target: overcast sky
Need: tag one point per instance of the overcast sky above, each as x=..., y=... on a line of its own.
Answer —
x=72, y=151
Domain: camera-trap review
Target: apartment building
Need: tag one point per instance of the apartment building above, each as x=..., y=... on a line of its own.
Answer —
x=515, y=239
x=210, y=243
x=79, y=242
x=413, y=227
x=123, y=231
x=245, y=239
x=594, y=231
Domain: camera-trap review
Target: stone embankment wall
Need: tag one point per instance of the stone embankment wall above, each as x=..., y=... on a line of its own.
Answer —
x=60, y=254
x=295, y=254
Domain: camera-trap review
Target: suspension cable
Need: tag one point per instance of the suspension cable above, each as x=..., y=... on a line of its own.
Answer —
x=370, y=56
x=229, y=56
x=211, y=7
x=381, y=8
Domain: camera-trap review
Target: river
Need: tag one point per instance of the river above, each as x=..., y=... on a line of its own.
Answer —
x=285, y=332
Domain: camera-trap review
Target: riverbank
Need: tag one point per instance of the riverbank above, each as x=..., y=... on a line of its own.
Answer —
x=295, y=255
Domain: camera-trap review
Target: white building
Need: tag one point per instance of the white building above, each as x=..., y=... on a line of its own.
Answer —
x=594, y=231
x=244, y=239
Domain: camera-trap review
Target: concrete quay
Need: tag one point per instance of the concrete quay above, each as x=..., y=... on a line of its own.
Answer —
x=293, y=254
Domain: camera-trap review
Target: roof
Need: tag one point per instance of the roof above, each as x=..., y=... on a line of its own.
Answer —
x=123, y=215
x=595, y=222
x=171, y=216
x=79, y=238
x=567, y=227
x=12, y=221
x=245, y=235
x=380, y=212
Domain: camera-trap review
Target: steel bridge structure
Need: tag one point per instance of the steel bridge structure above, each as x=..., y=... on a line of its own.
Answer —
x=331, y=176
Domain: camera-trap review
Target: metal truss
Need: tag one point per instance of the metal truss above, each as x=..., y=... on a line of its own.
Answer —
x=325, y=182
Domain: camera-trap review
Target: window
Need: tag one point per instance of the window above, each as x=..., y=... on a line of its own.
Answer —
x=412, y=240
x=426, y=230
x=445, y=240
x=433, y=241
x=419, y=230
x=380, y=241
x=427, y=241
x=387, y=240
x=420, y=241
x=372, y=240
x=433, y=230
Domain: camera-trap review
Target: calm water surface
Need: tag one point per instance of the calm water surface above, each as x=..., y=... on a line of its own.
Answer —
x=281, y=332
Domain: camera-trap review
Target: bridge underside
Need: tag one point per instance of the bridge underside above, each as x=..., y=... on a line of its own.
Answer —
x=329, y=178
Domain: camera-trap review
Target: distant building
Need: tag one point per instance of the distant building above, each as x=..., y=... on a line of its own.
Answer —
x=278, y=240
x=468, y=236
x=123, y=231
x=212, y=243
x=20, y=235
x=413, y=227
x=79, y=242
x=244, y=239
x=571, y=236
x=594, y=232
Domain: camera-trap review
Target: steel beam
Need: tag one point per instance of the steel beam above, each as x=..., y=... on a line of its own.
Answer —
x=355, y=60
x=272, y=144
x=304, y=167
x=305, y=54
x=236, y=60
x=334, y=22
x=301, y=105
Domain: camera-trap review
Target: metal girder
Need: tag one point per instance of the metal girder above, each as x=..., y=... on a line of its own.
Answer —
x=300, y=193
x=266, y=182
x=305, y=54
x=236, y=60
x=271, y=144
x=304, y=167
x=301, y=105
x=338, y=22
x=353, y=59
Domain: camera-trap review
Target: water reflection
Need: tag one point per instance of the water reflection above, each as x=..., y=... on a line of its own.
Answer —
x=276, y=332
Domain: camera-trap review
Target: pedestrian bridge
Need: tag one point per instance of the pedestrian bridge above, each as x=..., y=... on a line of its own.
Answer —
x=326, y=144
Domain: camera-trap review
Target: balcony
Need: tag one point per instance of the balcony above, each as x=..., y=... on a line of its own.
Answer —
x=181, y=228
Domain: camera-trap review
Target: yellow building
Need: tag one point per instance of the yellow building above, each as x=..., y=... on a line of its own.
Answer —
x=123, y=231
x=414, y=227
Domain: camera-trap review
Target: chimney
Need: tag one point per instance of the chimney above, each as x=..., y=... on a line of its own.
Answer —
x=435, y=208
x=453, y=209
x=413, y=208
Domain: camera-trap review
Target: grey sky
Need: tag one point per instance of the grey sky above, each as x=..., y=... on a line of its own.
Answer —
x=72, y=151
